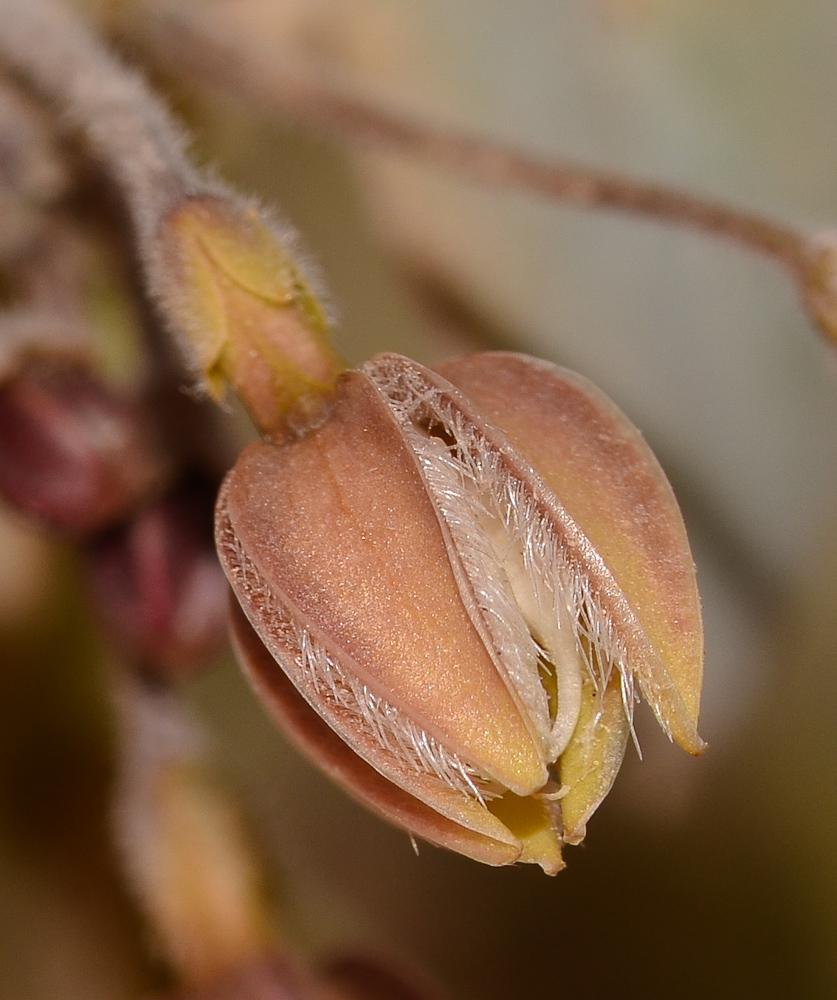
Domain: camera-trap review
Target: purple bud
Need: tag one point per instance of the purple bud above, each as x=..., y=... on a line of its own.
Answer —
x=364, y=977
x=158, y=587
x=72, y=453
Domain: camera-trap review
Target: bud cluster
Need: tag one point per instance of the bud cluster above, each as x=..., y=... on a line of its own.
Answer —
x=84, y=459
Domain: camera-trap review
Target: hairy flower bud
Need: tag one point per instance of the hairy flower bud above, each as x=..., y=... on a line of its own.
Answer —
x=466, y=574
x=250, y=316
x=183, y=844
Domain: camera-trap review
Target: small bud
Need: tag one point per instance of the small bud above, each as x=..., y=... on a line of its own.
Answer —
x=248, y=312
x=158, y=587
x=467, y=576
x=183, y=844
x=819, y=279
x=71, y=452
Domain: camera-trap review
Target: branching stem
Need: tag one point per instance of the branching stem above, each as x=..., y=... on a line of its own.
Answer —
x=224, y=275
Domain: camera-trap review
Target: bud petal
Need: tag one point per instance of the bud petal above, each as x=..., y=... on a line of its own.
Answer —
x=387, y=618
x=454, y=622
x=457, y=822
x=612, y=486
x=591, y=762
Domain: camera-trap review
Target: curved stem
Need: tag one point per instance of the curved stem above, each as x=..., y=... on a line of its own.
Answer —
x=194, y=38
x=128, y=129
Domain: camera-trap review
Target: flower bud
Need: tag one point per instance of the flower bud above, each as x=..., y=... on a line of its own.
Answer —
x=467, y=575
x=71, y=452
x=279, y=977
x=359, y=976
x=248, y=312
x=183, y=844
x=158, y=588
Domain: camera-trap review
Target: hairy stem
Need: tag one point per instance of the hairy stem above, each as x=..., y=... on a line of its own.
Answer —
x=127, y=128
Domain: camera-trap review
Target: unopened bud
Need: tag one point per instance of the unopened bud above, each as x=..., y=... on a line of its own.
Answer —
x=158, y=587
x=72, y=452
x=248, y=312
x=819, y=278
x=184, y=847
x=468, y=576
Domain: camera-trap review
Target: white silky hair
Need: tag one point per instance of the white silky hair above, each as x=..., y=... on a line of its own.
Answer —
x=535, y=599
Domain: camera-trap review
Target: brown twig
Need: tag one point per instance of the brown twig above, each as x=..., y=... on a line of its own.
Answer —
x=207, y=44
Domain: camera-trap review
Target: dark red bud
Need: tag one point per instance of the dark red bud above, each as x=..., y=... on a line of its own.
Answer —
x=72, y=453
x=158, y=587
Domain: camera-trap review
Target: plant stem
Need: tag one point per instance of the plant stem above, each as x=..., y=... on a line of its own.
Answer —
x=128, y=129
x=207, y=44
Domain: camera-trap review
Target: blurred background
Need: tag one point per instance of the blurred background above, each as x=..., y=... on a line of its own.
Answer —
x=711, y=877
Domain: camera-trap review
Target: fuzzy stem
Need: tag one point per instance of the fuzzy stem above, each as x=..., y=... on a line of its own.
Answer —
x=128, y=129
